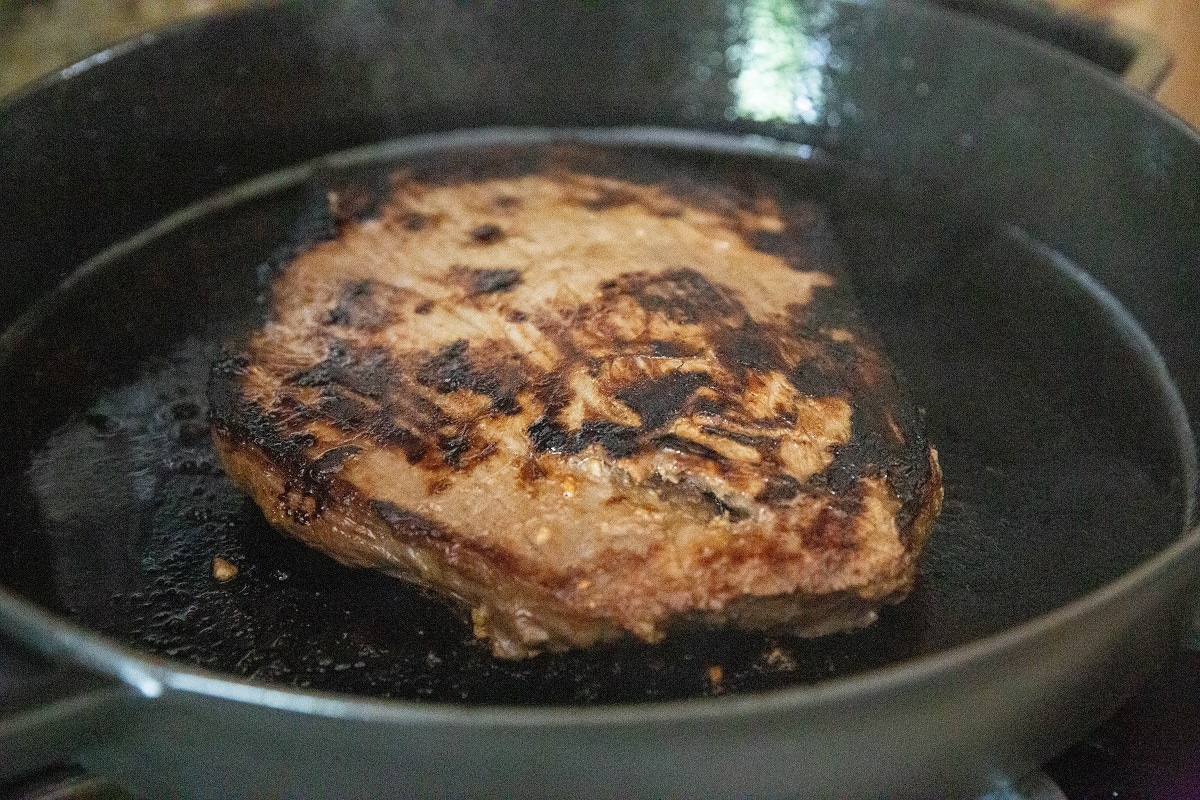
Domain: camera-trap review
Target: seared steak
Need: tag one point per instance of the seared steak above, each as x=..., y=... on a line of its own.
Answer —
x=579, y=405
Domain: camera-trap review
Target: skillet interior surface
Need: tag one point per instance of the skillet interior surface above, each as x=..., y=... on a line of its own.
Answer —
x=1062, y=470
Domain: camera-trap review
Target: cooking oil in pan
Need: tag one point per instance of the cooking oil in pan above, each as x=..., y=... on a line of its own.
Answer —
x=1060, y=443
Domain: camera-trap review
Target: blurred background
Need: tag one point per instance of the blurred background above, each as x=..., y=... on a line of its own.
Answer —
x=1176, y=24
x=38, y=36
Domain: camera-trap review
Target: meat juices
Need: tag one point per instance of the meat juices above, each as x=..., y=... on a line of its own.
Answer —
x=579, y=405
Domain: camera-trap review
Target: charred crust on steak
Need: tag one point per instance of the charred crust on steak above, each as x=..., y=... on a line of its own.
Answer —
x=364, y=304
x=606, y=198
x=331, y=462
x=491, y=281
x=659, y=400
x=738, y=439
x=451, y=369
x=487, y=234
x=413, y=221
x=678, y=444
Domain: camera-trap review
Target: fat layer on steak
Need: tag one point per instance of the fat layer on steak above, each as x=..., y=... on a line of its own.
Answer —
x=580, y=405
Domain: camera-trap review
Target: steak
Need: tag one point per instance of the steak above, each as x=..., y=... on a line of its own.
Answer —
x=580, y=404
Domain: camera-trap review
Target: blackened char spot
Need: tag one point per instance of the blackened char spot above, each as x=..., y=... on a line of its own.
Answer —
x=690, y=492
x=454, y=447
x=386, y=432
x=686, y=297
x=710, y=406
x=486, y=234
x=779, y=489
x=810, y=378
x=872, y=451
x=320, y=374
x=679, y=444
x=370, y=376
x=331, y=462
x=868, y=453
x=659, y=401
x=550, y=436
x=293, y=410
x=450, y=369
x=747, y=347
x=356, y=416
x=304, y=439
x=619, y=441
x=609, y=197
x=734, y=513
x=358, y=307
x=488, y=281
x=664, y=348
x=346, y=412
x=245, y=421
x=368, y=373
x=748, y=439
x=414, y=221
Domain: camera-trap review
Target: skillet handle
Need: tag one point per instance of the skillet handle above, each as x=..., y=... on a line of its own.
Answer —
x=49, y=712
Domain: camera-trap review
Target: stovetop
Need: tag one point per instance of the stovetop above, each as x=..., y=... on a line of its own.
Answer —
x=1149, y=750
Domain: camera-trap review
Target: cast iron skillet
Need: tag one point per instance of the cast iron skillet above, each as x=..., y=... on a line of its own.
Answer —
x=1020, y=229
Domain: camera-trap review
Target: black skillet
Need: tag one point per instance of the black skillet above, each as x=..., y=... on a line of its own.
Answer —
x=1021, y=230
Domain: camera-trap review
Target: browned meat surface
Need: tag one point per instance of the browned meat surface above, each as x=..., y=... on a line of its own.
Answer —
x=578, y=405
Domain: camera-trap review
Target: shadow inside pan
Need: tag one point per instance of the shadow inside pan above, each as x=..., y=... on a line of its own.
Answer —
x=1062, y=470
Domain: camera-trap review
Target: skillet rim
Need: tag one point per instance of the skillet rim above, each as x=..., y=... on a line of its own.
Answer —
x=151, y=676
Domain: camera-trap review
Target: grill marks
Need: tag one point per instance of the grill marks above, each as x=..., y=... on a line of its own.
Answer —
x=395, y=403
x=451, y=370
x=659, y=400
x=687, y=379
